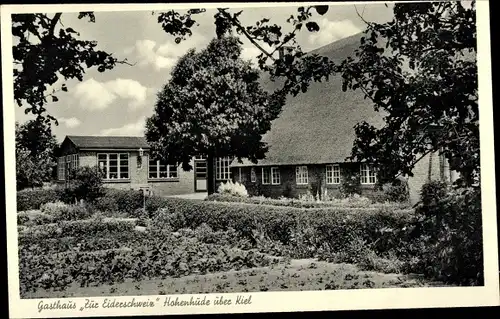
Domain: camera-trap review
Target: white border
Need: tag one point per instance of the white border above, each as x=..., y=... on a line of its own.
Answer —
x=270, y=301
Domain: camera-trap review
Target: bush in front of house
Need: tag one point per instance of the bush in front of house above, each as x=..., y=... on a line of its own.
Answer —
x=351, y=201
x=29, y=199
x=233, y=189
x=350, y=184
x=85, y=184
x=449, y=228
x=118, y=200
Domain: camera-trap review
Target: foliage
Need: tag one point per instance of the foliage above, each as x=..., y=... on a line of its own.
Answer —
x=60, y=211
x=29, y=199
x=397, y=191
x=45, y=53
x=108, y=253
x=280, y=55
x=350, y=184
x=450, y=228
x=232, y=189
x=117, y=200
x=35, y=160
x=33, y=218
x=335, y=226
x=85, y=184
x=213, y=104
x=420, y=69
x=352, y=201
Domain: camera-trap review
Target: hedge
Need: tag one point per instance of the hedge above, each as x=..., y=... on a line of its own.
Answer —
x=334, y=227
x=292, y=202
x=30, y=199
x=113, y=200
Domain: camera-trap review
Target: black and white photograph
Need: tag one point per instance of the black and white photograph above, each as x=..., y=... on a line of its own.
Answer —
x=203, y=158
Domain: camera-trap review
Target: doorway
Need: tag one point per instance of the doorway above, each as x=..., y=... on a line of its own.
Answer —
x=200, y=174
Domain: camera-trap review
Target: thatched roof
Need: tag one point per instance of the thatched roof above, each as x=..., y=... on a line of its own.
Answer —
x=317, y=127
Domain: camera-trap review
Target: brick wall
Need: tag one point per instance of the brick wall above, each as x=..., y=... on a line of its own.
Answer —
x=184, y=184
x=288, y=186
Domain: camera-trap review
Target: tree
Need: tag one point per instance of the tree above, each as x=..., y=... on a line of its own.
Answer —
x=35, y=159
x=213, y=105
x=420, y=70
x=46, y=51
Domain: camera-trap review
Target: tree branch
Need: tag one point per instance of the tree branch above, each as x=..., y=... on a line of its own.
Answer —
x=236, y=23
x=125, y=62
x=361, y=16
x=53, y=23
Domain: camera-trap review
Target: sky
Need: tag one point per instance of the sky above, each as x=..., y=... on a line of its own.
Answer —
x=118, y=101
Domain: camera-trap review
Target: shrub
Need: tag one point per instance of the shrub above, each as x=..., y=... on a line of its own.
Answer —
x=234, y=189
x=450, y=228
x=34, y=199
x=350, y=184
x=86, y=184
x=117, y=200
x=55, y=209
x=335, y=226
x=307, y=202
x=397, y=191
x=371, y=262
x=61, y=211
x=34, y=218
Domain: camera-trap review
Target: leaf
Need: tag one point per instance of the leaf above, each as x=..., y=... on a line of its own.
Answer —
x=312, y=26
x=64, y=88
x=321, y=9
x=54, y=98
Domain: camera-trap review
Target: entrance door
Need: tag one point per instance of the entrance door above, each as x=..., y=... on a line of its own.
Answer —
x=200, y=175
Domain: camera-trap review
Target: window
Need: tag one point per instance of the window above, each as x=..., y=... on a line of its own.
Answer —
x=275, y=176
x=253, y=175
x=301, y=175
x=222, y=169
x=61, y=168
x=160, y=169
x=367, y=174
x=114, y=166
x=71, y=163
x=332, y=174
x=266, y=176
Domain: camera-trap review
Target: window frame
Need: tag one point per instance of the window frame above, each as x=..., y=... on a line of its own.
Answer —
x=253, y=175
x=367, y=174
x=61, y=168
x=268, y=171
x=168, y=170
x=118, y=165
x=299, y=178
x=275, y=169
x=332, y=179
x=223, y=173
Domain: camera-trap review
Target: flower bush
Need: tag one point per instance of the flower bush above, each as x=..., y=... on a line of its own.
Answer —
x=234, y=189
